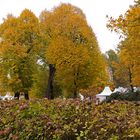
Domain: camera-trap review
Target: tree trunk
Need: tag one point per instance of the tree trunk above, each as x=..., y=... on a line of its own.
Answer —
x=49, y=92
x=130, y=80
x=76, y=74
x=26, y=95
x=75, y=94
x=132, y=88
x=75, y=90
x=16, y=95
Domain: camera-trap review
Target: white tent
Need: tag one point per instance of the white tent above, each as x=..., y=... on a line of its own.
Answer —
x=120, y=89
x=104, y=94
x=136, y=89
x=81, y=96
x=8, y=96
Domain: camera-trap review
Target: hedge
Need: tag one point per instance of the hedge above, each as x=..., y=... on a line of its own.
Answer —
x=128, y=96
x=68, y=120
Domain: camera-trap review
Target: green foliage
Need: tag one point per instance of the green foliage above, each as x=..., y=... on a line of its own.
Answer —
x=69, y=119
x=129, y=96
x=39, y=87
x=40, y=77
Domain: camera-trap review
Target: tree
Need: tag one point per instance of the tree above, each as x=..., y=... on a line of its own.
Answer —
x=128, y=26
x=72, y=52
x=120, y=72
x=112, y=58
x=18, y=50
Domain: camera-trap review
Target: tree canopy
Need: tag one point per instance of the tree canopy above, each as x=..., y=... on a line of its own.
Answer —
x=128, y=26
x=59, y=45
x=72, y=47
x=18, y=50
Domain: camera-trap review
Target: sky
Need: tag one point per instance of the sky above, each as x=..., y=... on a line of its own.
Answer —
x=95, y=11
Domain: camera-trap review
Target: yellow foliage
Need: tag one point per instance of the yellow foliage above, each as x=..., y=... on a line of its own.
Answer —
x=129, y=26
x=72, y=47
x=17, y=49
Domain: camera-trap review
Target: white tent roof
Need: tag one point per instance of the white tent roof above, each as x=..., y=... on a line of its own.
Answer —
x=120, y=89
x=116, y=90
x=81, y=96
x=8, y=94
x=105, y=92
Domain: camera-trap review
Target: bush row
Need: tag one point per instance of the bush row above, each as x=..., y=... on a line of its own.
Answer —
x=68, y=120
x=128, y=96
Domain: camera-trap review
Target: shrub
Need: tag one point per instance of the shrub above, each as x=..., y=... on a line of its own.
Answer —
x=68, y=120
x=129, y=96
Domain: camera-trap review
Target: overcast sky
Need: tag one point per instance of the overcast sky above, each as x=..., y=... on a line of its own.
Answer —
x=95, y=11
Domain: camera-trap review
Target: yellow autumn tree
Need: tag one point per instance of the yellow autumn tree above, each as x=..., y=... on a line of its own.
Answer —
x=18, y=51
x=128, y=26
x=72, y=51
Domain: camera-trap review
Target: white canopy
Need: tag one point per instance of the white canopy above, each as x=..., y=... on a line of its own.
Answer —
x=120, y=89
x=136, y=89
x=7, y=96
x=81, y=96
x=105, y=92
x=116, y=90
